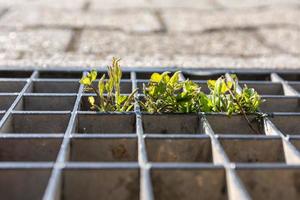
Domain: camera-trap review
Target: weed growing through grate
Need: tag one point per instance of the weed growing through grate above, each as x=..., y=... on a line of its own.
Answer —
x=165, y=94
x=108, y=92
x=169, y=94
x=224, y=97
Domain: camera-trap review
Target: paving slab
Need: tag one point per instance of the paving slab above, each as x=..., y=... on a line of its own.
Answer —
x=116, y=4
x=287, y=39
x=238, y=43
x=255, y=3
x=202, y=5
x=196, y=21
x=151, y=32
x=73, y=60
x=140, y=21
x=65, y=4
x=34, y=41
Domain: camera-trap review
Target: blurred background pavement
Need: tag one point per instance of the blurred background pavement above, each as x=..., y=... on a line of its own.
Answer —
x=183, y=33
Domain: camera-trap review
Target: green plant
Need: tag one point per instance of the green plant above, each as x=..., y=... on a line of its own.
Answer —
x=108, y=92
x=225, y=97
x=167, y=94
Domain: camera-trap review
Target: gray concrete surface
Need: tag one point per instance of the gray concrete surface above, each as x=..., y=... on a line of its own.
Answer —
x=190, y=33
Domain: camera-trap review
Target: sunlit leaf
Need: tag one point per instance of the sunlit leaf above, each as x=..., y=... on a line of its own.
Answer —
x=91, y=100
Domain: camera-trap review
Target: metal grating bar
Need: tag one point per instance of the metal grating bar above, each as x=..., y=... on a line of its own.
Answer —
x=207, y=155
x=146, y=187
x=53, y=190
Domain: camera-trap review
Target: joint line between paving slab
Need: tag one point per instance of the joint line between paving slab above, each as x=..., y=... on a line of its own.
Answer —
x=73, y=43
x=86, y=6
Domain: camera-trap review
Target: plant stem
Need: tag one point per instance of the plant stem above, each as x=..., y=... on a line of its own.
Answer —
x=242, y=110
x=98, y=94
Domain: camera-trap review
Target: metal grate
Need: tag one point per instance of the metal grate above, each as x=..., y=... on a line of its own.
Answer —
x=53, y=147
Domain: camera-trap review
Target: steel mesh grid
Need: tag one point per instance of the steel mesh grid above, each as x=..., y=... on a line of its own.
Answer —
x=44, y=135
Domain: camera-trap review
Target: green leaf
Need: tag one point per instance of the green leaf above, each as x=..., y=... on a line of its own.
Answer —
x=211, y=84
x=155, y=78
x=165, y=77
x=93, y=75
x=121, y=99
x=89, y=78
x=91, y=100
x=101, y=85
x=226, y=86
x=175, y=78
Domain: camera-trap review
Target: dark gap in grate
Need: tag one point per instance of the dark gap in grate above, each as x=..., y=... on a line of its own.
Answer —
x=6, y=101
x=60, y=74
x=264, y=88
x=287, y=124
x=29, y=149
x=36, y=123
x=203, y=85
x=172, y=123
x=105, y=184
x=15, y=74
x=205, y=76
x=253, y=76
x=46, y=103
x=189, y=183
x=295, y=85
x=271, y=183
x=296, y=142
x=26, y=183
x=290, y=76
x=2, y=114
x=144, y=75
x=254, y=150
x=11, y=86
x=236, y=124
x=104, y=150
x=179, y=150
x=281, y=104
x=53, y=87
x=105, y=123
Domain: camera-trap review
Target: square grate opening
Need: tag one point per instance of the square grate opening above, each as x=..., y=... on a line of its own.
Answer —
x=53, y=146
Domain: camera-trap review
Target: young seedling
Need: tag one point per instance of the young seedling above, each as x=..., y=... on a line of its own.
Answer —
x=108, y=92
x=224, y=97
x=167, y=94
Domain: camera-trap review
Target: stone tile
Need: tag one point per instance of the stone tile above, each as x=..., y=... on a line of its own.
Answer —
x=71, y=60
x=62, y=4
x=195, y=21
x=140, y=21
x=236, y=43
x=203, y=4
x=10, y=55
x=286, y=39
x=117, y=4
x=255, y=3
x=34, y=41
